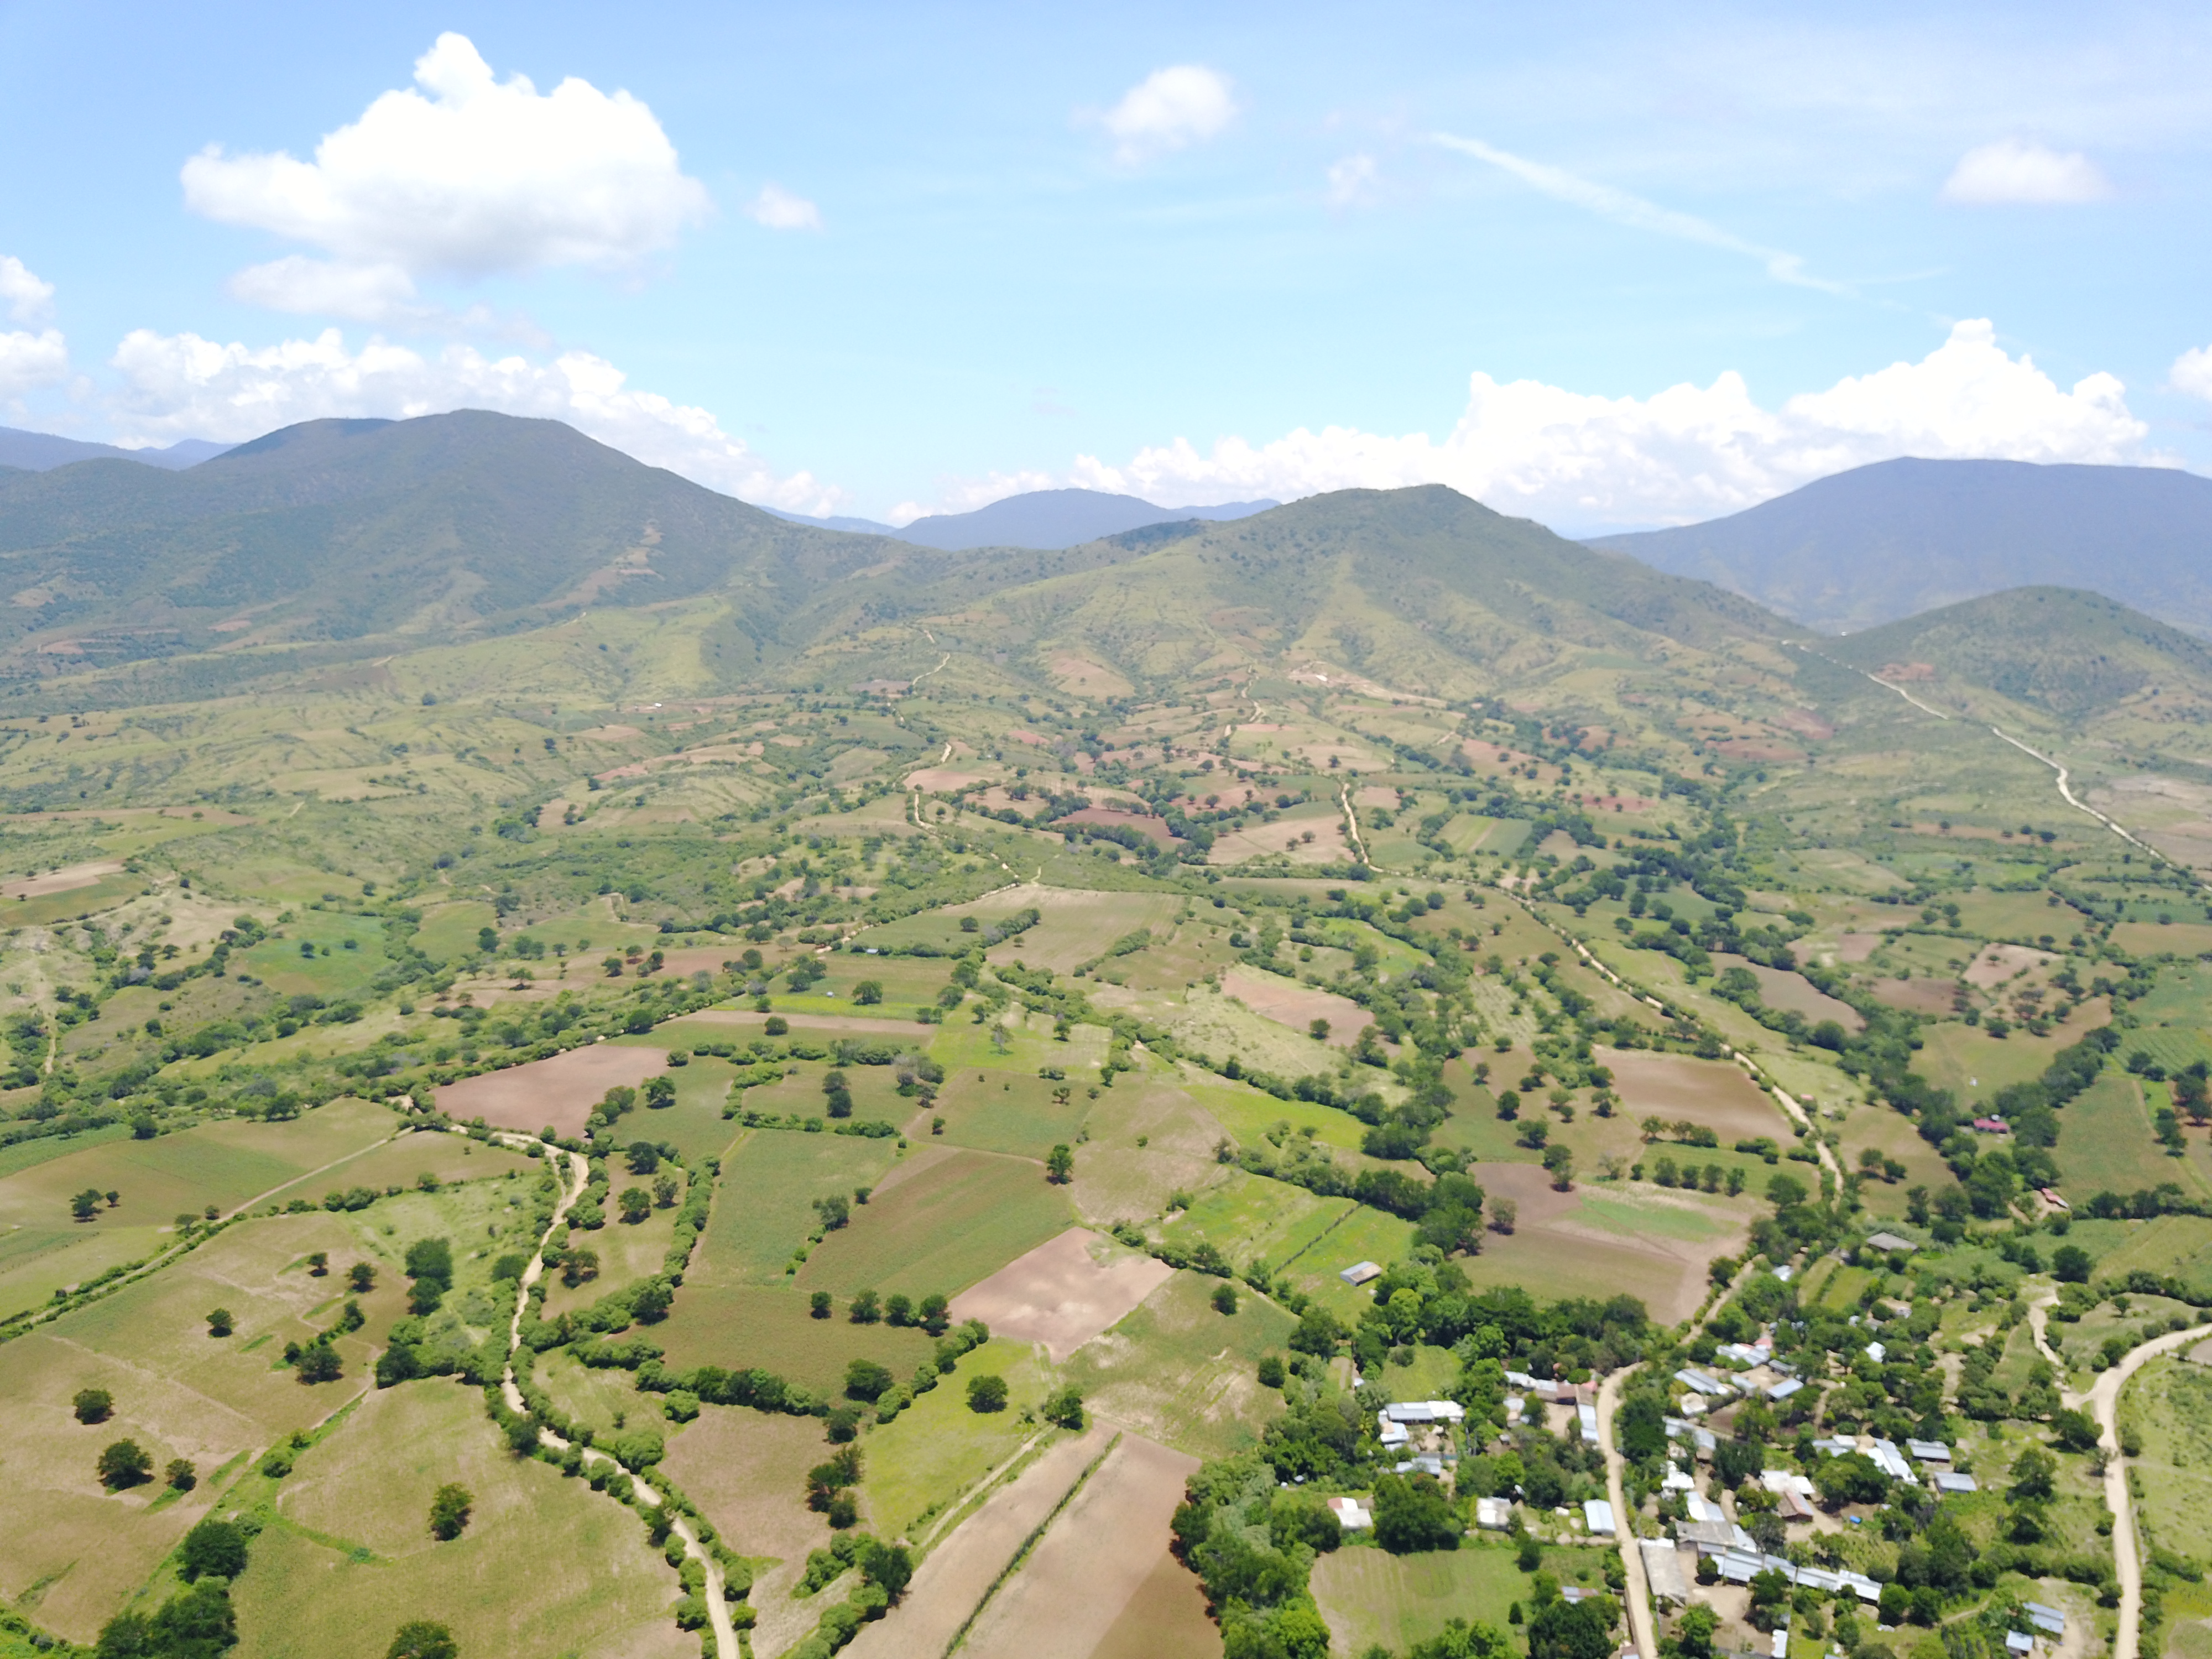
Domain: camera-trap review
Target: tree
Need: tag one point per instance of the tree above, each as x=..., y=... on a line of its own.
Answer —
x=1224, y=1298
x=889, y=1567
x=124, y=1464
x=636, y=1203
x=986, y=1394
x=642, y=1157
x=1412, y=1514
x=935, y=1313
x=868, y=991
x=834, y=1211
x=85, y=1205
x=659, y=1093
x=1060, y=1165
x=2075, y=1431
x=1570, y=1630
x=2034, y=1476
x=1560, y=1161
x=1317, y=1030
x=1695, y=1630
x=1851, y=1477
x=866, y=1380
x=421, y=1639
x=2071, y=1265
x=318, y=1362
x=449, y=1512
x=864, y=1309
x=578, y=1266
x=818, y=1305
x=663, y=1191
x=212, y=1549
x=361, y=1278
x=181, y=1474
x=319, y=1263
x=94, y=1405
x=1064, y=1408
x=1503, y=1213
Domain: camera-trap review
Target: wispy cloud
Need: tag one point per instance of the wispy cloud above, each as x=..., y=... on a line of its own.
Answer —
x=1622, y=207
x=2013, y=171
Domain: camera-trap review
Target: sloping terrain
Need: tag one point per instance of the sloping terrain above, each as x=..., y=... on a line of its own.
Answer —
x=1878, y=542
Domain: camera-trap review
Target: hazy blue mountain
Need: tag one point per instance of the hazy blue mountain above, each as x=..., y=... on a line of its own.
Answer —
x=1901, y=537
x=38, y=452
x=1043, y=519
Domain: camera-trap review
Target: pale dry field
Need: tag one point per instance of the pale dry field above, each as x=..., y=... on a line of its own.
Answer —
x=560, y=1090
x=1064, y=1292
x=1289, y=1003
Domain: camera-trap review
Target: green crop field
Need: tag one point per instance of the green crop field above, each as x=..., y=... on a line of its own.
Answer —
x=771, y=1179
x=1370, y=1597
x=2105, y=1140
x=939, y=1449
x=954, y=1218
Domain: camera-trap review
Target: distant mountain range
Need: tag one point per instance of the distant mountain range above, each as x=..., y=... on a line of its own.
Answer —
x=38, y=452
x=1901, y=537
x=1042, y=519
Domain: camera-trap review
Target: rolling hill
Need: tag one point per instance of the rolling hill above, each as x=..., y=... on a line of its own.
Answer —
x=37, y=451
x=1039, y=519
x=1901, y=537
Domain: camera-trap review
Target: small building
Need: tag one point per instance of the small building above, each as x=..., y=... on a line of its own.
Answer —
x=1425, y=1412
x=1351, y=1513
x=1890, y=1460
x=1782, y=1390
x=1781, y=1645
x=1991, y=1125
x=1701, y=1382
x=1391, y=1434
x=1494, y=1514
x=1597, y=1516
x=2050, y=1195
x=1890, y=1241
x=1949, y=1482
x=1677, y=1480
x=1662, y=1570
x=1360, y=1273
x=1877, y=1352
x=1928, y=1451
x=1587, y=1415
x=2049, y=1621
x=2019, y=1641
x=1792, y=1507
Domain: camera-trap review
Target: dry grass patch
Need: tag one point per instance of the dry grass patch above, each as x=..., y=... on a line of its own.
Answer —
x=1064, y=1292
x=561, y=1090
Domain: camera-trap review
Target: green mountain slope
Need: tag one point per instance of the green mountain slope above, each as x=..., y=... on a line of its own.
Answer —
x=2070, y=654
x=1421, y=589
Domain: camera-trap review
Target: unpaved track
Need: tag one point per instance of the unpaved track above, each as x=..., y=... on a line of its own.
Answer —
x=955, y=1576
x=717, y=1607
x=2103, y=1400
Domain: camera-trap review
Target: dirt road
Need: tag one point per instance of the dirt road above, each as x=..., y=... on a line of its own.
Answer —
x=2103, y=1401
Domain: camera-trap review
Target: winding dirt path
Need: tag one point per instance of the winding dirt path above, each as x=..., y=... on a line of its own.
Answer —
x=717, y=1607
x=2103, y=1400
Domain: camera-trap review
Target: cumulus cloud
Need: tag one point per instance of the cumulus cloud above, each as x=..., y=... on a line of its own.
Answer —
x=461, y=175
x=1624, y=209
x=2012, y=170
x=178, y=386
x=2192, y=372
x=1169, y=109
x=779, y=209
x=326, y=288
x=1685, y=453
x=29, y=361
x=28, y=299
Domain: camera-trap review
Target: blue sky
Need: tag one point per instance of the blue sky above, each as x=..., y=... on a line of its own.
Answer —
x=1597, y=263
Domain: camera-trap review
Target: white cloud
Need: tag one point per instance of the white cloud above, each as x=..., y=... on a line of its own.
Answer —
x=477, y=176
x=182, y=385
x=2192, y=372
x=1636, y=213
x=1685, y=453
x=29, y=361
x=29, y=300
x=779, y=209
x=2012, y=170
x=1169, y=109
x=1353, y=182
x=966, y=495
x=326, y=288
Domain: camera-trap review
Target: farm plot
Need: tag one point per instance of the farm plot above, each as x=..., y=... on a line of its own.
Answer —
x=1363, y=1235
x=2169, y=1405
x=1250, y=1218
x=953, y=1579
x=950, y=1218
x=1372, y=1598
x=1710, y=1092
x=922, y=1466
x=1287, y=1002
x=1093, y=1562
x=351, y=1558
x=739, y=1327
x=559, y=1090
x=1116, y=1179
x=1078, y=924
x=178, y=1391
x=2106, y=1141
x=996, y=1111
x=1181, y=1373
x=1605, y=1241
x=765, y=1206
x=746, y=1471
x=1064, y=1292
